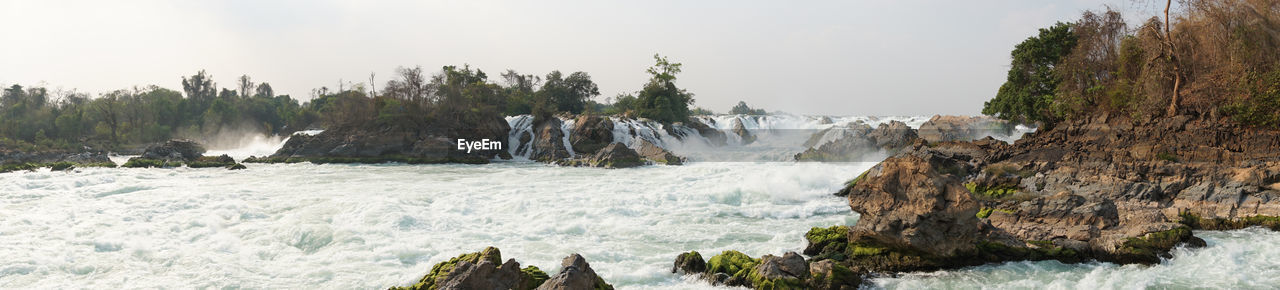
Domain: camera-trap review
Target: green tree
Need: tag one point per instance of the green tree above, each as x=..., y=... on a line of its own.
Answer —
x=1029, y=88
x=742, y=109
x=661, y=99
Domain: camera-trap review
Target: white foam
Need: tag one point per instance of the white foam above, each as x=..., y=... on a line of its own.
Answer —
x=374, y=226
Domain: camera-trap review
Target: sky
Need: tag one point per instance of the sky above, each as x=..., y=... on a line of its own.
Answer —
x=805, y=57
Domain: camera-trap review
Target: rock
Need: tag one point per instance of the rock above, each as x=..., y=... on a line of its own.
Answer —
x=376, y=143
x=591, y=133
x=962, y=128
x=825, y=120
x=828, y=275
x=1104, y=188
x=742, y=132
x=714, y=137
x=839, y=144
x=237, y=166
x=548, y=144
x=657, y=154
x=774, y=272
x=689, y=263
x=486, y=275
x=892, y=135
x=730, y=268
x=615, y=155
x=575, y=273
x=908, y=202
x=479, y=270
x=212, y=161
x=827, y=243
x=174, y=150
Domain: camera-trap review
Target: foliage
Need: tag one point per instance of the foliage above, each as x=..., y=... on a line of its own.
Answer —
x=1218, y=58
x=1028, y=90
x=742, y=109
x=661, y=99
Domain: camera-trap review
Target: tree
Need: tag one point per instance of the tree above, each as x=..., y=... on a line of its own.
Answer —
x=264, y=90
x=1029, y=88
x=245, y=86
x=661, y=99
x=412, y=85
x=566, y=94
x=742, y=109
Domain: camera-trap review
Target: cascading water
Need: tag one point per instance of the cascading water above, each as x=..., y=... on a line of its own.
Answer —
x=775, y=137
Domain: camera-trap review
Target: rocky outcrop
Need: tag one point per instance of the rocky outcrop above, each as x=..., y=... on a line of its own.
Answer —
x=548, y=143
x=742, y=132
x=657, y=154
x=615, y=155
x=13, y=160
x=789, y=271
x=1103, y=188
x=591, y=133
x=856, y=141
x=174, y=150
x=575, y=273
x=179, y=152
x=373, y=143
x=714, y=137
x=480, y=270
x=962, y=128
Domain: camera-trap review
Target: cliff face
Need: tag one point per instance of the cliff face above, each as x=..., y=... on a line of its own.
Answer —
x=1104, y=188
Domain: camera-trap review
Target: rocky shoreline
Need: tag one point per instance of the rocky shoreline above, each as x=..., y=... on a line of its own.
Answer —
x=1106, y=188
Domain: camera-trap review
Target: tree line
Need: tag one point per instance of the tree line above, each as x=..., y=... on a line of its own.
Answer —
x=1211, y=58
x=33, y=118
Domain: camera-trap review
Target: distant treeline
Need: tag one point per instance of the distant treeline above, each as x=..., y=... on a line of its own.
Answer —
x=1219, y=58
x=455, y=97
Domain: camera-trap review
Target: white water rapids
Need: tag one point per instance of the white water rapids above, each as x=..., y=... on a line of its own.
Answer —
x=339, y=226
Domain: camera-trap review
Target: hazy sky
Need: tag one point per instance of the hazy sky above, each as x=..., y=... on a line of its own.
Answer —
x=812, y=57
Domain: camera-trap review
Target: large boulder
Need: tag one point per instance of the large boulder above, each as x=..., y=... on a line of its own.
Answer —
x=479, y=270
x=962, y=128
x=713, y=136
x=575, y=274
x=742, y=132
x=590, y=133
x=548, y=142
x=616, y=155
x=657, y=154
x=689, y=263
x=174, y=150
x=856, y=141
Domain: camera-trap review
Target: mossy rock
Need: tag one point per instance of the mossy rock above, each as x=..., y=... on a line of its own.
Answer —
x=139, y=162
x=1149, y=248
x=8, y=167
x=827, y=243
x=689, y=263
x=236, y=166
x=1196, y=222
x=536, y=276
x=991, y=191
x=441, y=270
x=212, y=161
x=734, y=265
x=838, y=277
x=760, y=282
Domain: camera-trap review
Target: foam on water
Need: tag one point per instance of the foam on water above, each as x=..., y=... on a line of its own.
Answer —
x=373, y=226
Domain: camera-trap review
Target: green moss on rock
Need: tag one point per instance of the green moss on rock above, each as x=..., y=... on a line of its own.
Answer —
x=536, y=276
x=441, y=270
x=732, y=263
x=1219, y=224
x=139, y=162
x=827, y=243
x=991, y=191
x=1149, y=248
